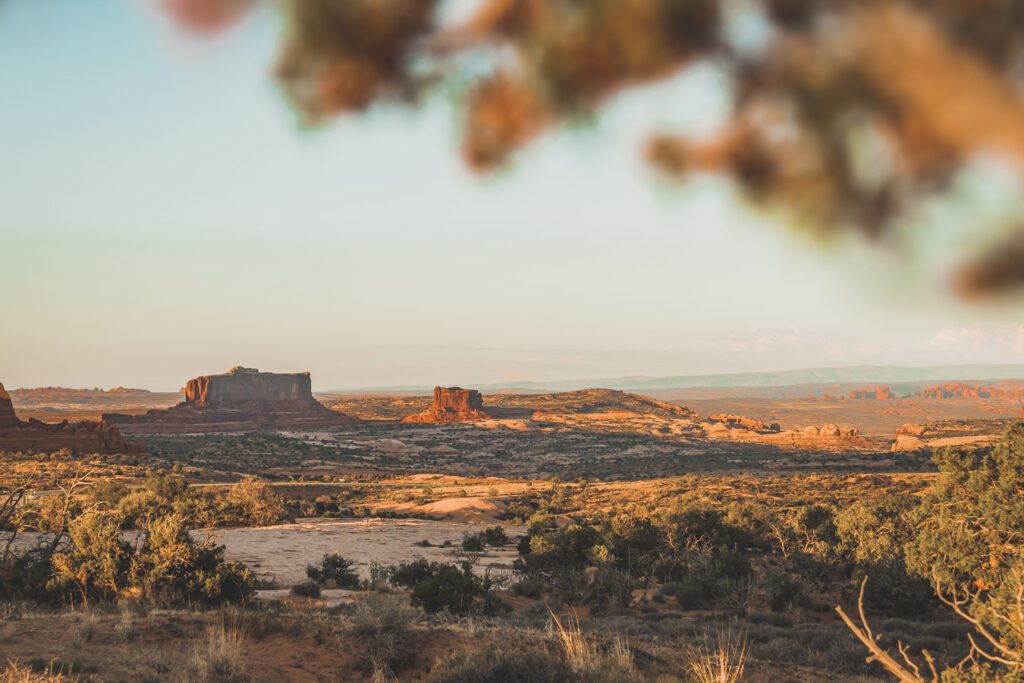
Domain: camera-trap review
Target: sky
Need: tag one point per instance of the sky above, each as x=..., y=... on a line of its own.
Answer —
x=163, y=215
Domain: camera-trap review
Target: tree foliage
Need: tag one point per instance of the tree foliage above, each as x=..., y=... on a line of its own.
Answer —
x=971, y=542
x=847, y=115
x=165, y=567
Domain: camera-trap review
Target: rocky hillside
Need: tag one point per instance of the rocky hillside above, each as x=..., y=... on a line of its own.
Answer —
x=588, y=401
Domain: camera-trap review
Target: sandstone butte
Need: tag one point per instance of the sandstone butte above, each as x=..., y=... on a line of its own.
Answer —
x=78, y=437
x=241, y=399
x=453, y=404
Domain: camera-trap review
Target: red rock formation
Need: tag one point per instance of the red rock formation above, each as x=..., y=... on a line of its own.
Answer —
x=239, y=400
x=738, y=421
x=453, y=404
x=873, y=393
x=956, y=390
x=911, y=429
x=8, y=419
x=829, y=431
x=79, y=437
x=908, y=438
x=244, y=387
x=976, y=391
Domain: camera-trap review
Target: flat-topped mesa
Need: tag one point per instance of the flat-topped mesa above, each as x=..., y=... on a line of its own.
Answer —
x=244, y=387
x=453, y=404
x=242, y=399
x=78, y=437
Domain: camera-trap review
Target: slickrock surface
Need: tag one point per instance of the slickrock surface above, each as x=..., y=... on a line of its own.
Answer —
x=453, y=404
x=242, y=399
x=79, y=437
x=936, y=434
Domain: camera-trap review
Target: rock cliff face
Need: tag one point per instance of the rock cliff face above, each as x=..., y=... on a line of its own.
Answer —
x=453, y=404
x=239, y=400
x=7, y=417
x=244, y=388
x=79, y=437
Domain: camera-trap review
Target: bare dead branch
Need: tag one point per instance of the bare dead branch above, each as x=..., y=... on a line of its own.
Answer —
x=870, y=641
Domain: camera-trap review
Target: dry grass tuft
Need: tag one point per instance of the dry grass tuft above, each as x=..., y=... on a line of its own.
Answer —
x=221, y=657
x=620, y=655
x=14, y=672
x=587, y=659
x=579, y=652
x=88, y=623
x=719, y=659
x=126, y=630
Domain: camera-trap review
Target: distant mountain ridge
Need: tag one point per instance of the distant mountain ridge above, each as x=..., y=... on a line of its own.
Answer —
x=858, y=374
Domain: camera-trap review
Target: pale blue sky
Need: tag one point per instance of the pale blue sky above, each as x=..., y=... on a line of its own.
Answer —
x=162, y=216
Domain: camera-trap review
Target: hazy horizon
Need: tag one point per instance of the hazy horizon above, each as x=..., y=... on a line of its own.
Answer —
x=165, y=217
x=852, y=375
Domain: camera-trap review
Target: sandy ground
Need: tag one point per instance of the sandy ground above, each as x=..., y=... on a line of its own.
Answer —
x=282, y=552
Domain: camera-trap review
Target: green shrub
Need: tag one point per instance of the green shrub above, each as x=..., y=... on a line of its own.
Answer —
x=982, y=673
x=410, y=573
x=491, y=536
x=256, y=503
x=473, y=543
x=785, y=592
x=96, y=566
x=693, y=593
x=876, y=532
x=970, y=526
x=334, y=568
x=437, y=586
x=172, y=569
x=631, y=540
x=168, y=568
x=556, y=550
x=494, y=536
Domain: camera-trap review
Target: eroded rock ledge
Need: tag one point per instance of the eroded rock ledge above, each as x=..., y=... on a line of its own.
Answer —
x=79, y=437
